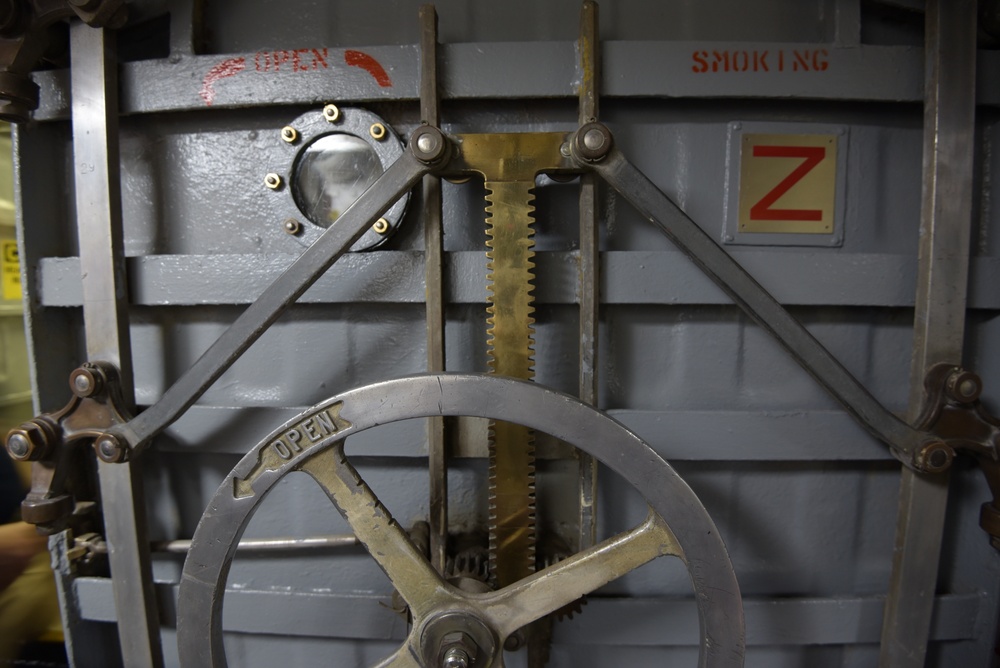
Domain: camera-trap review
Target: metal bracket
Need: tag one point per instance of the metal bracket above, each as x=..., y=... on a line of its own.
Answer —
x=953, y=412
x=51, y=441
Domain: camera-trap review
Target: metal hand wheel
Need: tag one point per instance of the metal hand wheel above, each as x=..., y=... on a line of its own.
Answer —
x=451, y=626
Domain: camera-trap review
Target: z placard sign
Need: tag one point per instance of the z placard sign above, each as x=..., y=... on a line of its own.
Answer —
x=788, y=183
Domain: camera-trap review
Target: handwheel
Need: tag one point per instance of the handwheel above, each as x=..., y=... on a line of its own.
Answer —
x=448, y=623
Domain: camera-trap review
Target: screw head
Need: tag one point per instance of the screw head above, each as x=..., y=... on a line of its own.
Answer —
x=272, y=181
x=377, y=131
x=456, y=657
x=289, y=134
x=331, y=113
x=291, y=226
x=18, y=446
x=381, y=226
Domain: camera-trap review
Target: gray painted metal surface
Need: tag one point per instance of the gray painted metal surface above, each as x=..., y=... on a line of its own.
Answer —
x=805, y=500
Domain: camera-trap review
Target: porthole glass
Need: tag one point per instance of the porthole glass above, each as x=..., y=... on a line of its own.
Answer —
x=330, y=174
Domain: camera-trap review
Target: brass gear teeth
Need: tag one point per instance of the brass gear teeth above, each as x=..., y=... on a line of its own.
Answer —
x=509, y=226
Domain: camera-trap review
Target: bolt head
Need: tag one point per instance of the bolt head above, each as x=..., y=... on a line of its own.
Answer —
x=292, y=226
x=86, y=381
x=592, y=143
x=594, y=139
x=428, y=144
x=111, y=449
x=456, y=657
x=18, y=446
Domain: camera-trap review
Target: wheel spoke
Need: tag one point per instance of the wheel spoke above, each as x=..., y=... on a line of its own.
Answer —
x=412, y=576
x=523, y=602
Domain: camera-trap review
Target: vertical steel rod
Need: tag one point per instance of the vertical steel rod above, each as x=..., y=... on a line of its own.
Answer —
x=434, y=286
x=590, y=282
x=939, y=320
x=102, y=265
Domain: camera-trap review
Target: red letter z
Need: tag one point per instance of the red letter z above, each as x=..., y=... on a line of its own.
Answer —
x=813, y=156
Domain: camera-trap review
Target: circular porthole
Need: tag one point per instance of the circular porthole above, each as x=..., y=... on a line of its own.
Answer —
x=327, y=160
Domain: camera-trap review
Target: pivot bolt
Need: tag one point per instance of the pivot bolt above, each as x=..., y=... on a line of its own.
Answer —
x=963, y=386
x=111, y=448
x=428, y=144
x=456, y=657
x=936, y=457
x=86, y=381
x=593, y=142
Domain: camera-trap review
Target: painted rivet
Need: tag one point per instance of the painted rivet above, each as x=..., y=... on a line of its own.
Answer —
x=272, y=181
x=331, y=113
x=377, y=131
x=291, y=226
x=289, y=134
x=381, y=226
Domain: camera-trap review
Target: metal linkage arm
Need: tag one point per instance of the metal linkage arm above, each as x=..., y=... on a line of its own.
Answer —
x=400, y=177
x=593, y=147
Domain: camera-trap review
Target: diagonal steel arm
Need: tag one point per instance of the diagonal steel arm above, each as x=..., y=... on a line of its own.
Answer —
x=252, y=323
x=907, y=444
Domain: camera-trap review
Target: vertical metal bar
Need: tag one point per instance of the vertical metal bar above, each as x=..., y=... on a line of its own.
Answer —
x=939, y=320
x=590, y=282
x=102, y=265
x=434, y=285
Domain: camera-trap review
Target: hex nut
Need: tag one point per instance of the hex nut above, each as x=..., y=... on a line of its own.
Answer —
x=381, y=226
x=272, y=181
x=31, y=441
x=377, y=131
x=289, y=134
